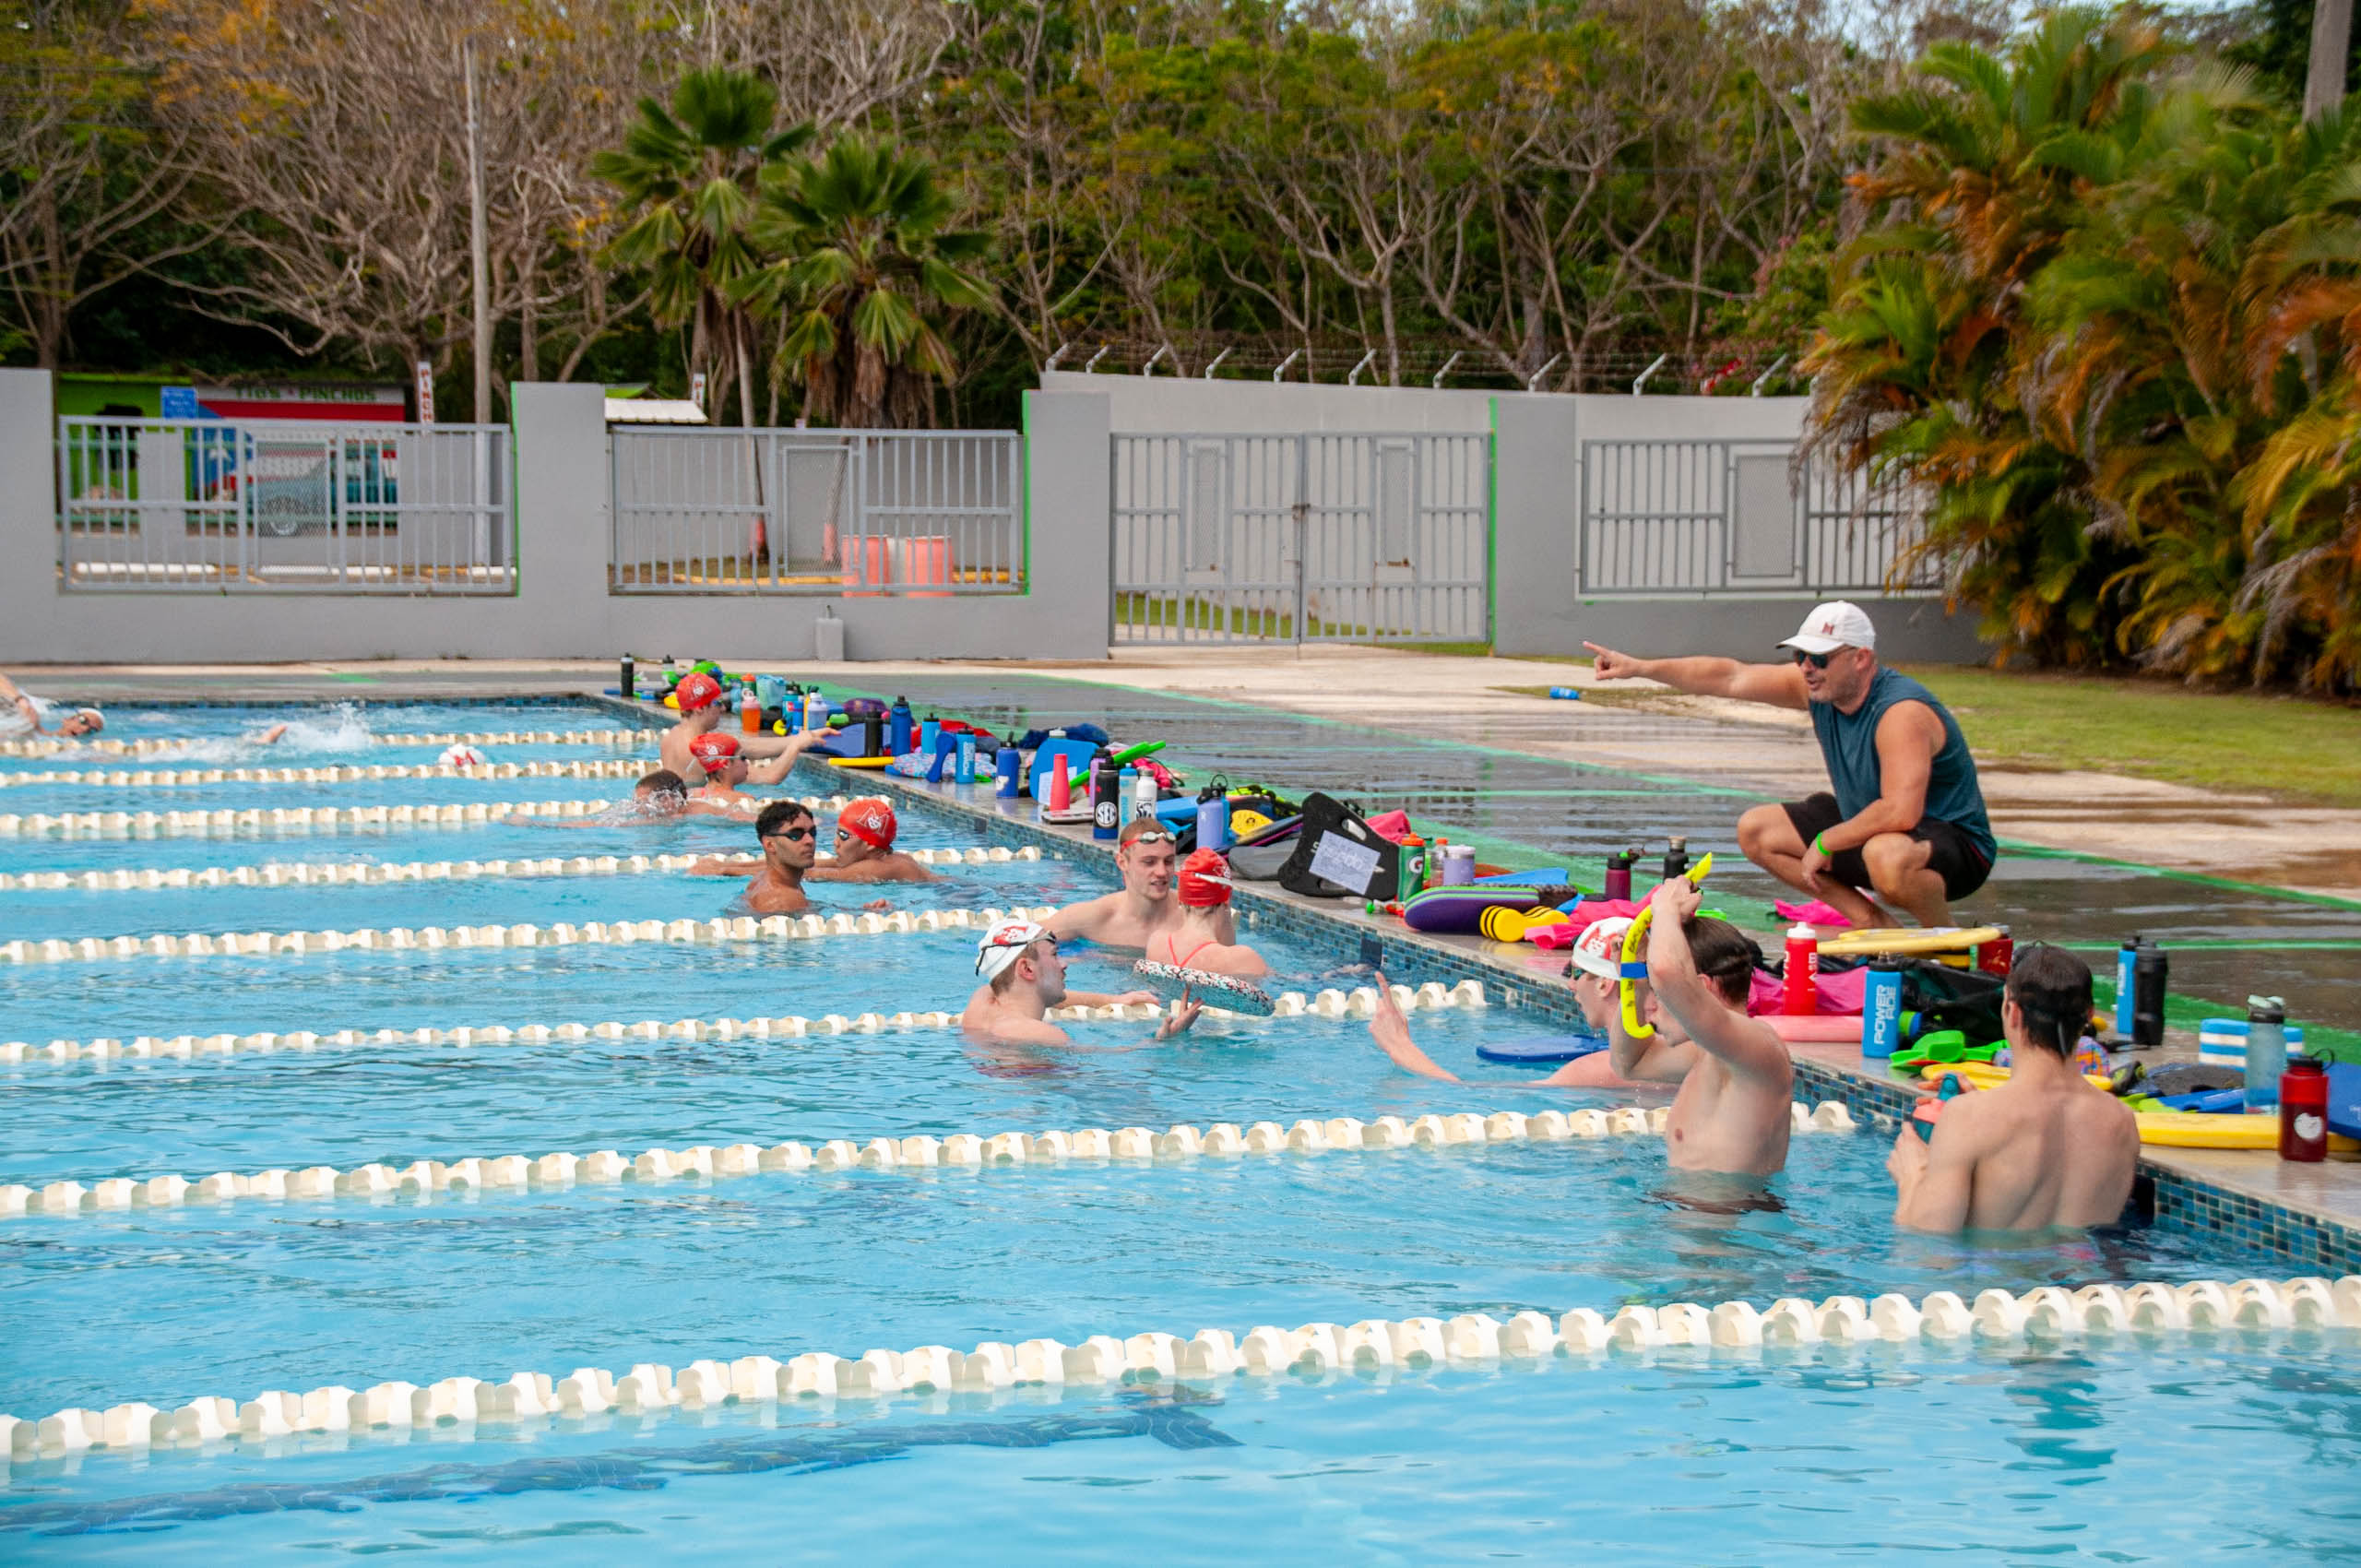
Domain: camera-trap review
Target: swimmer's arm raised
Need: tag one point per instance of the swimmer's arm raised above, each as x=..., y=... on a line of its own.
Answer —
x=1742, y=1043
x=1390, y=1031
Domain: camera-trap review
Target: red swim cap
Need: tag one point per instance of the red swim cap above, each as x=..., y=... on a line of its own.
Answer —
x=697, y=690
x=870, y=820
x=1204, y=880
x=714, y=751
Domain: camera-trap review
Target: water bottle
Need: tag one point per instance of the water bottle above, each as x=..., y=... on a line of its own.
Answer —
x=1567, y=693
x=1412, y=860
x=2266, y=1053
x=1995, y=956
x=2149, y=970
x=872, y=734
x=930, y=733
x=1882, y=1008
x=1105, y=819
x=1144, y=795
x=1212, y=822
x=967, y=756
x=1459, y=865
x=1619, y=874
x=946, y=748
x=1007, y=766
x=750, y=709
x=1126, y=791
x=2303, y=1112
x=629, y=694
x=2126, y=989
x=815, y=710
x=1676, y=859
x=1798, y=989
x=898, y=732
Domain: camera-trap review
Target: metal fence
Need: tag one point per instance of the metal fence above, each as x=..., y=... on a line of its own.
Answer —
x=917, y=514
x=1740, y=516
x=1309, y=537
x=307, y=506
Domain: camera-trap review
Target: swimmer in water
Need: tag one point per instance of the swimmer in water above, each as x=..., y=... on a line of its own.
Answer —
x=659, y=797
x=23, y=713
x=865, y=852
x=699, y=696
x=1024, y=977
x=1735, y=1106
x=790, y=837
x=1144, y=906
x=1596, y=972
x=725, y=767
x=2046, y=1150
x=1206, y=937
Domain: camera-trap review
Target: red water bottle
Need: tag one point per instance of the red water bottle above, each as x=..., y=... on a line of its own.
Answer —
x=2303, y=1110
x=1799, y=990
x=1995, y=956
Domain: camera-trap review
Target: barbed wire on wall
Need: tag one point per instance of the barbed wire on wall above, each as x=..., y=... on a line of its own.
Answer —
x=1429, y=361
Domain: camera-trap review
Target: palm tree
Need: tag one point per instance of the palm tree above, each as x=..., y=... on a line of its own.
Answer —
x=692, y=175
x=870, y=272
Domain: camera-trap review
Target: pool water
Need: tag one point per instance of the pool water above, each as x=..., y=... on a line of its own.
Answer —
x=1990, y=1455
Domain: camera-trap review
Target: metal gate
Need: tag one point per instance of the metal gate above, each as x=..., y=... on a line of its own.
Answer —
x=1304, y=538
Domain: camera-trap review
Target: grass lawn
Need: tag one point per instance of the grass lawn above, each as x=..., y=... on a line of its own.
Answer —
x=2284, y=745
x=2291, y=747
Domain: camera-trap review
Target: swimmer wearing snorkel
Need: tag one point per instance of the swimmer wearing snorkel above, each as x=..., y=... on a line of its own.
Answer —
x=865, y=852
x=1025, y=977
x=699, y=696
x=1144, y=908
x=1734, y=1109
x=1594, y=977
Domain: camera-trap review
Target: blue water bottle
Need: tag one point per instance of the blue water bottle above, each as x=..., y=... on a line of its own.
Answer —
x=946, y=747
x=1006, y=768
x=1882, y=1008
x=897, y=728
x=930, y=733
x=2126, y=986
x=1213, y=823
x=967, y=756
x=1126, y=784
x=1567, y=693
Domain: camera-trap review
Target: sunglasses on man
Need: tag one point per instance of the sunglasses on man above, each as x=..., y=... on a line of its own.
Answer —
x=1817, y=660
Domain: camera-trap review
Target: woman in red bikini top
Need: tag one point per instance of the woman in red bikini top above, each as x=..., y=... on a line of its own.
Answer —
x=1204, y=940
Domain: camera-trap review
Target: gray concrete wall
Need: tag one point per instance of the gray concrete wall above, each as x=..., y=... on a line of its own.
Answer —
x=562, y=608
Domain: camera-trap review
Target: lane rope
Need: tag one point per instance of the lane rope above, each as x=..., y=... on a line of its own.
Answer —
x=556, y=1171
x=2043, y=1316
x=596, y=934
x=332, y=819
x=1360, y=1003
x=307, y=873
x=160, y=746
x=335, y=773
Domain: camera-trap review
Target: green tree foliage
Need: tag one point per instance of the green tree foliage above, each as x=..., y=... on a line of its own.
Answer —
x=2103, y=323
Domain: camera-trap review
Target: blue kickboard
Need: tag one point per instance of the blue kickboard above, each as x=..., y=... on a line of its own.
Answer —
x=2344, y=1098
x=1541, y=1051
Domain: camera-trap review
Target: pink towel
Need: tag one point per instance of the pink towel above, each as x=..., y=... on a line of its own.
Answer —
x=1393, y=825
x=1839, y=994
x=1813, y=913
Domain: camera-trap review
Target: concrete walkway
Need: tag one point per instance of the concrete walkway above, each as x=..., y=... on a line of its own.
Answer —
x=2245, y=838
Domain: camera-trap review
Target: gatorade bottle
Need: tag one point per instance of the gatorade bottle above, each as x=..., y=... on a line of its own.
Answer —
x=1619, y=874
x=928, y=728
x=898, y=730
x=1798, y=991
x=2127, y=992
x=750, y=709
x=1007, y=763
x=1412, y=860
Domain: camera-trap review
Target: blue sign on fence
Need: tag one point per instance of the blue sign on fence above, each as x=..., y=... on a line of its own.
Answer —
x=179, y=403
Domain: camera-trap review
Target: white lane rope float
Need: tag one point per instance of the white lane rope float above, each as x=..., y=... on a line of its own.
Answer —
x=161, y=747
x=433, y=938
x=335, y=773
x=2046, y=1315
x=1360, y=1003
x=228, y=821
x=307, y=873
x=518, y=1172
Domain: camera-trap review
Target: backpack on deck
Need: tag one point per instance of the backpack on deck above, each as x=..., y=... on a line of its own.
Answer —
x=1339, y=855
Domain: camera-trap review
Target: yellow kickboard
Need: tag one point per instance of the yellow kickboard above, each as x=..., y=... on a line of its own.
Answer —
x=1939, y=939
x=2189, y=1129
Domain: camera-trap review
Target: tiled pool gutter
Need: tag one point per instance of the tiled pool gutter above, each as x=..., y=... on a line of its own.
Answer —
x=2308, y=1214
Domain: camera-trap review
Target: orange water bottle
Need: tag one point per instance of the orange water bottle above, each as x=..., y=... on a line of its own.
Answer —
x=750, y=711
x=1798, y=989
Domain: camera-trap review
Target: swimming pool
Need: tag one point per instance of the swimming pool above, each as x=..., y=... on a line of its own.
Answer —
x=1673, y=1452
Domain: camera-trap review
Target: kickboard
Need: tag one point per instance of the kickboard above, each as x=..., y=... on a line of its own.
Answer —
x=1940, y=939
x=1542, y=1051
x=2178, y=1129
x=1227, y=991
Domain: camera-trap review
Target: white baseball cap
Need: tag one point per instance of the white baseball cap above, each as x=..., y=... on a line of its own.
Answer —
x=1599, y=950
x=1005, y=943
x=1837, y=623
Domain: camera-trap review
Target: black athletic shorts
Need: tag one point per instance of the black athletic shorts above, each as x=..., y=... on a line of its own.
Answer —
x=1952, y=854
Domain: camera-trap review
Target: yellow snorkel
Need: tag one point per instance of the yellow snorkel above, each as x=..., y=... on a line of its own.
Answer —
x=1635, y=967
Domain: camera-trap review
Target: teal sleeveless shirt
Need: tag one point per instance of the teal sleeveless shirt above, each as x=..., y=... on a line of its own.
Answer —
x=1849, y=742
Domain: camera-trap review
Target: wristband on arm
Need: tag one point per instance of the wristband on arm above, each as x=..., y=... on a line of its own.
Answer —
x=1820, y=842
